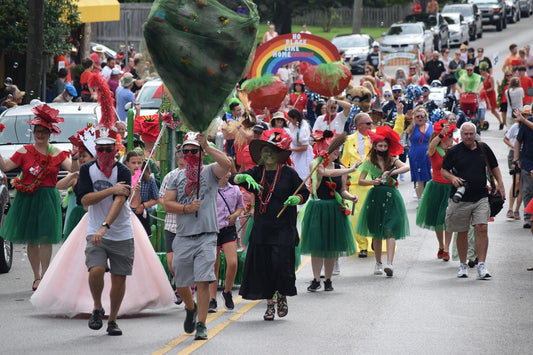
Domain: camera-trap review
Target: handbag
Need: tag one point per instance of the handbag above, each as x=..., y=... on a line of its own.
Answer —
x=496, y=200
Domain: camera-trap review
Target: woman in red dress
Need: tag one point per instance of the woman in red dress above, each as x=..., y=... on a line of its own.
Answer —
x=298, y=98
x=489, y=87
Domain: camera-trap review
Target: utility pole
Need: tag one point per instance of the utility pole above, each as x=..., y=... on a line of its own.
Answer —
x=357, y=16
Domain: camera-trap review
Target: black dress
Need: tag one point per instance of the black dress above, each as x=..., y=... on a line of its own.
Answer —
x=270, y=260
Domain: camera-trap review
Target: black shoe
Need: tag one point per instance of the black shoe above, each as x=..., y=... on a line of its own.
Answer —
x=228, y=300
x=201, y=331
x=363, y=254
x=95, y=322
x=501, y=126
x=212, y=306
x=527, y=225
x=315, y=285
x=327, y=285
x=190, y=319
x=113, y=329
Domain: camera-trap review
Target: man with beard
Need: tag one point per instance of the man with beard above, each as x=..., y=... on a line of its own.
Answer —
x=104, y=186
x=192, y=194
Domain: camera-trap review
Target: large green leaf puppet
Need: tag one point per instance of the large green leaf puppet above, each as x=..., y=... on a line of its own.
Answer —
x=200, y=49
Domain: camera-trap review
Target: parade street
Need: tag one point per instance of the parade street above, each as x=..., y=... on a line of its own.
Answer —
x=423, y=309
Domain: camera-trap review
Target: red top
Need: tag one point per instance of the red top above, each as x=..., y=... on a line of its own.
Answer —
x=417, y=8
x=62, y=58
x=31, y=163
x=299, y=101
x=84, y=79
x=436, y=165
x=504, y=97
x=526, y=82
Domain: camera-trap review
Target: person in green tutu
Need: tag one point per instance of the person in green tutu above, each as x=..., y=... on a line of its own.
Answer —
x=431, y=213
x=383, y=215
x=35, y=215
x=270, y=257
x=83, y=150
x=326, y=229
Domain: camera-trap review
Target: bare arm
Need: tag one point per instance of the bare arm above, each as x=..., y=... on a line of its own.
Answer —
x=456, y=181
x=499, y=181
x=324, y=172
x=344, y=191
x=67, y=181
x=172, y=206
x=222, y=161
x=120, y=189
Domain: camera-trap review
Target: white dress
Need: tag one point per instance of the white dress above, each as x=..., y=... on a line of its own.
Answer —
x=302, y=138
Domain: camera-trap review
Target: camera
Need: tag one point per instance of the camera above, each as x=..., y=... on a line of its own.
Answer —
x=458, y=195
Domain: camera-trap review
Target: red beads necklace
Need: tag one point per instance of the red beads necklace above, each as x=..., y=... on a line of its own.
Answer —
x=264, y=183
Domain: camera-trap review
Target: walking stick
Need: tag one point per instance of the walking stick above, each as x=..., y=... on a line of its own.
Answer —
x=335, y=143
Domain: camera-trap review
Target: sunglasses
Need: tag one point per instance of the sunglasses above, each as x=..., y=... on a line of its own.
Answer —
x=469, y=69
x=367, y=123
x=191, y=151
x=396, y=91
x=387, y=95
x=509, y=75
x=104, y=149
x=423, y=115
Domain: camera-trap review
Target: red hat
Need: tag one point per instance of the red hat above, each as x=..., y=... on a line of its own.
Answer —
x=85, y=140
x=299, y=81
x=277, y=138
x=106, y=135
x=47, y=117
x=386, y=133
x=439, y=126
x=322, y=140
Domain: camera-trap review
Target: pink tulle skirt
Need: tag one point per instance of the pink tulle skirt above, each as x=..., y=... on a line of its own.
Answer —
x=64, y=289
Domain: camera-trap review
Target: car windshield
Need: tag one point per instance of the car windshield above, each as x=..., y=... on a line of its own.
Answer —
x=452, y=19
x=18, y=131
x=350, y=41
x=484, y=2
x=463, y=10
x=150, y=97
x=429, y=20
x=404, y=30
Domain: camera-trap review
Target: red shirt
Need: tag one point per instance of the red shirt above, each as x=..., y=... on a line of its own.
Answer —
x=526, y=82
x=62, y=59
x=436, y=165
x=31, y=164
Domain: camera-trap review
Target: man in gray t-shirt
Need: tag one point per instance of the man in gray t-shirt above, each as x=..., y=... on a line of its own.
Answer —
x=194, y=200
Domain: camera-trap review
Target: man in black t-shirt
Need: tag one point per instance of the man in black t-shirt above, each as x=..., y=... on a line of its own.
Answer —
x=464, y=165
x=434, y=69
x=373, y=57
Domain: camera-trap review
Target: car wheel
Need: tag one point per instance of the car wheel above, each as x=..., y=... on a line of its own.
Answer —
x=6, y=255
x=473, y=34
x=499, y=25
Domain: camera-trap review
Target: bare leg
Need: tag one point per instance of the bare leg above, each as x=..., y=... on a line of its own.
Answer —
x=45, y=255
x=316, y=265
x=377, y=245
x=116, y=295
x=419, y=187
x=202, y=298
x=186, y=295
x=447, y=241
x=504, y=118
x=482, y=241
x=496, y=114
x=440, y=239
x=169, y=261
x=328, y=267
x=35, y=261
x=230, y=252
x=214, y=285
x=96, y=284
x=462, y=245
x=391, y=248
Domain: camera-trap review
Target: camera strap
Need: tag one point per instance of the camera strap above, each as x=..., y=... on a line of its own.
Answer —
x=487, y=166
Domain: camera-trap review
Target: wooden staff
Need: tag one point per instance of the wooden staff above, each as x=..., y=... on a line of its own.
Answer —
x=335, y=143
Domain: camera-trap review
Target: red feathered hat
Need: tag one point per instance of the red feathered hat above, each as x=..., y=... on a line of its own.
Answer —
x=386, y=133
x=439, y=126
x=105, y=132
x=47, y=117
x=322, y=140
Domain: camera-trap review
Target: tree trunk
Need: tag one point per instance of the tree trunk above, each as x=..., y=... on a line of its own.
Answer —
x=357, y=17
x=283, y=18
x=85, y=44
x=34, y=58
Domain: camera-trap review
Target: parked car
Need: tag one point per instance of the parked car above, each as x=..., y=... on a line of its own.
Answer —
x=472, y=15
x=458, y=28
x=18, y=132
x=512, y=11
x=437, y=24
x=493, y=13
x=526, y=7
x=356, y=48
x=402, y=37
x=107, y=51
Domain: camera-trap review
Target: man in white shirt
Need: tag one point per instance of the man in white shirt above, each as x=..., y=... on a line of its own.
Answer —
x=106, y=71
x=333, y=120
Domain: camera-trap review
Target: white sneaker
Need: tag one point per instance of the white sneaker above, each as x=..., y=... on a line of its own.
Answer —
x=378, y=269
x=463, y=270
x=389, y=270
x=336, y=268
x=482, y=271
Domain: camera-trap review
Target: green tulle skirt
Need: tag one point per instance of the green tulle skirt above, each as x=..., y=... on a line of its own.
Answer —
x=72, y=219
x=431, y=212
x=34, y=218
x=326, y=230
x=383, y=214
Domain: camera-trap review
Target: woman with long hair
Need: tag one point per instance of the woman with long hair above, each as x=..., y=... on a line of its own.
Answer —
x=419, y=133
x=490, y=89
x=302, y=152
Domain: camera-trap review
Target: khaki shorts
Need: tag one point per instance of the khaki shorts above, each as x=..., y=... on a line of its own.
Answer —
x=460, y=215
x=119, y=253
x=194, y=259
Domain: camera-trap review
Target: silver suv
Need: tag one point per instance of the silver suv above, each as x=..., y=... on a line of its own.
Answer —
x=472, y=15
x=494, y=12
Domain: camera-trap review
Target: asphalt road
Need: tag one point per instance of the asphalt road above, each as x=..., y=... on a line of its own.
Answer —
x=423, y=309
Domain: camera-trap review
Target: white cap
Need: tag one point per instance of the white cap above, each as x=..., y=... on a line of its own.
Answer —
x=191, y=138
x=116, y=71
x=375, y=44
x=397, y=87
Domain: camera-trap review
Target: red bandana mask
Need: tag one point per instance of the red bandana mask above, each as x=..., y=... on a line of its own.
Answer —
x=106, y=161
x=191, y=173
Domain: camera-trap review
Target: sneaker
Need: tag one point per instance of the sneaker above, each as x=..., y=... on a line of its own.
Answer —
x=440, y=253
x=190, y=319
x=178, y=298
x=389, y=270
x=527, y=225
x=445, y=256
x=463, y=271
x=378, y=269
x=517, y=215
x=95, y=322
x=113, y=329
x=363, y=253
x=315, y=285
x=228, y=300
x=336, y=268
x=482, y=271
x=212, y=306
x=328, y=285
x=510, y=214
x=201, y=331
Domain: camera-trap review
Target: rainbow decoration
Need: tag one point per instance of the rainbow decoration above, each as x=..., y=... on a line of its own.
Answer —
x=270, y=56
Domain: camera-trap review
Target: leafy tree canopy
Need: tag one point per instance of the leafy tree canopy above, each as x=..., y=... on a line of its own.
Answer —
x=59, y=16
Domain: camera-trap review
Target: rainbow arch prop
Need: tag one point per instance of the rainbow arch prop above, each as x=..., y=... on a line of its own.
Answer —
x=270, y=56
